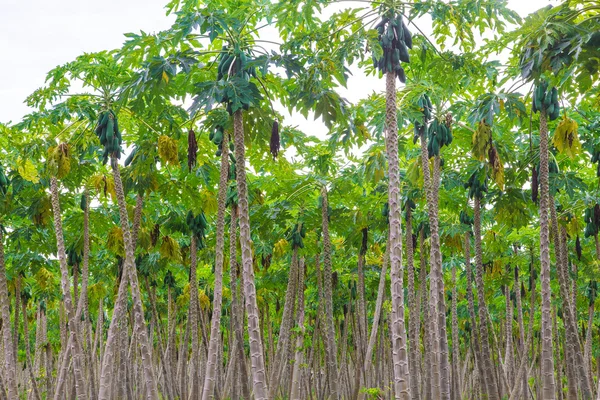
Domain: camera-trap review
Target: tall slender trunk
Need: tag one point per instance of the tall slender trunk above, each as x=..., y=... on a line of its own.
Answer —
x=193, y=320
x=361, y=304
x=213, y=360
x=259, y=376
x=330, y=345
x=399, y=346
x=237, y=307
x=10, y=376
x=376, y=315
x=435, y=374
x=295, y=393
x=281, y=353
x=423, y=375
x=130, y=269
x=509, y=362
x=414, y=312
x=517, y=289
x=546, y=360
x=29, y=363
x=455, y=341
x=486, y=358
x=80, y=386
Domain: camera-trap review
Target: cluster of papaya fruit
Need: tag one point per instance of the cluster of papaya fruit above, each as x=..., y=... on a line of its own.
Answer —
x=477, y=184
x=535, y=178
x=297, y=235
x=465, y=218
x=438, y=135
x=235, y=63
x=546, y=99
x=4, y=182
x=198, y=225
x=73, y=256
x=109, y=134
x=395, y=40
x=592, y=220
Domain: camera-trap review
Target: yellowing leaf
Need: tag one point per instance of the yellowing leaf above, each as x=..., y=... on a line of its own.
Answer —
x=566, y=139
x=28, y=171
x=209, y=201
x=167, y=150
x=482, y=141
x=115, y=242
x=280, y=247
x=169, y=249
x=165, y=77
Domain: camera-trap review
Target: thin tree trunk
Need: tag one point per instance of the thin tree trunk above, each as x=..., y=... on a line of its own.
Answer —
x=486, y=357
x=281, y=353
x=140, y=323
x=29, y=363
x=72, y=325
x=399, y=346
x=330, y=345
x=9, y=357
x=213, y=361
x=376, y=316
x=547, y=361
x=455, y=341
x=259, y=377
x=414, y=312
x=299, y=356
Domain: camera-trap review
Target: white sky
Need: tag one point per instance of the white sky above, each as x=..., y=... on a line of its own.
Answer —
x=37, y=35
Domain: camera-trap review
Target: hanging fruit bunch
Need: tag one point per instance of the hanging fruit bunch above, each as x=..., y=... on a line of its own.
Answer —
x=592, y=219
x=395, y=40
x=198, y=225
x=420, y=127
x=566, y=139
x=235, y=63
x=477, y=184
x=216, y=136
x=297, y=235
x=274, y=143
x=109, y=134
x=546, y=99
x=59, y=160
x=4, y=181
x=465, y=218
x=439, y=134
x=535, y=184
x=192, y=149
x=74, y=258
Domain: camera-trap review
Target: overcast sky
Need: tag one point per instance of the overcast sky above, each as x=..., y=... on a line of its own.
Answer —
x=37, y=35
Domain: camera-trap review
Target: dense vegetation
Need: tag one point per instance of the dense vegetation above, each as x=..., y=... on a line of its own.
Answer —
x=165, y=233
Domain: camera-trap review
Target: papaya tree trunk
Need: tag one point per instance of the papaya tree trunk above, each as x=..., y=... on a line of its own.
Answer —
x=281, y=353
x=259, y=376
x=130, y=270
x=330, y=344
x=295, y=393
x=414, y=312
x=10, y=376
x=215, y=331
x=486, y=357
x=546, y=359
x=75, y=348
x=434, y=349
x=398, y=328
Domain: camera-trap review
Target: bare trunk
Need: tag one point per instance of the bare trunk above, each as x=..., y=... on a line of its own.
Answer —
x=547, y=361
x=213, y=361
x=295, y=393
x=10, y=376
x=330, y=345
x=486, y=357
x=66, y=291
x=399, y=346
x=130, y=269
x=259, y=376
